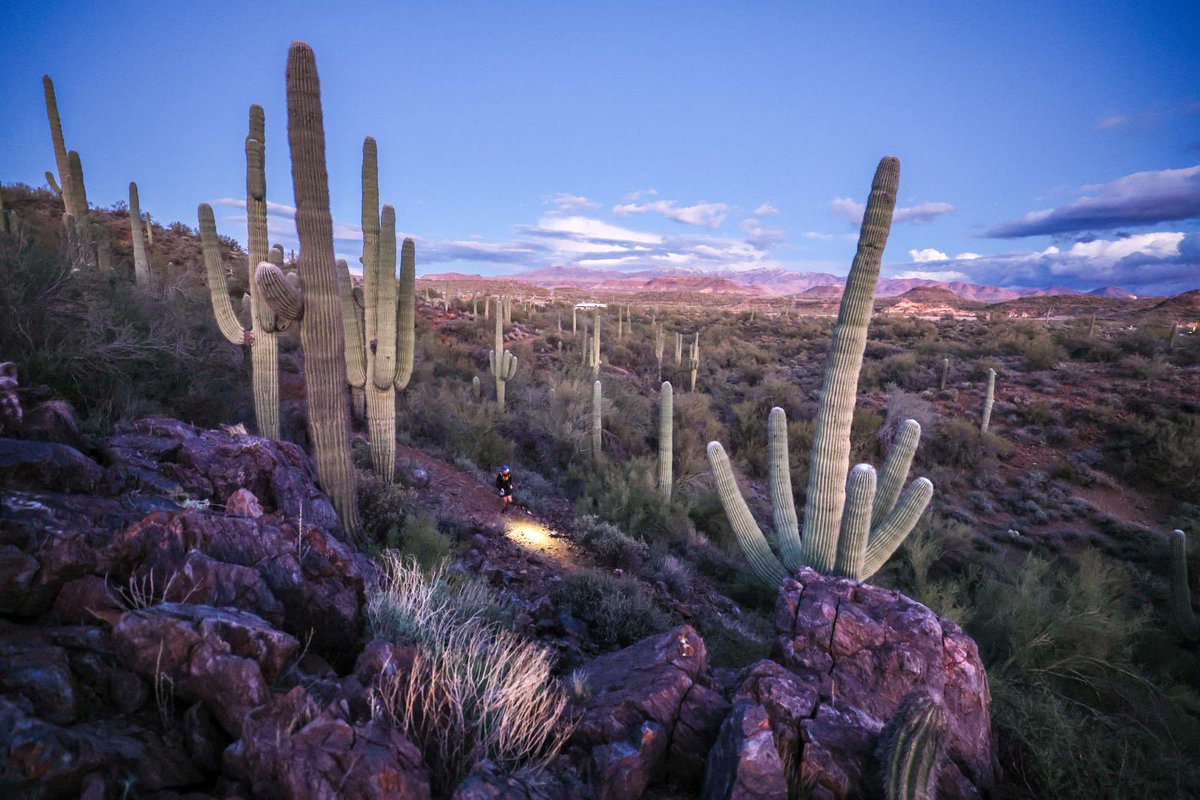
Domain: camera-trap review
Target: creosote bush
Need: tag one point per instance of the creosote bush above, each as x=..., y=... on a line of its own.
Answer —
x=618, y=611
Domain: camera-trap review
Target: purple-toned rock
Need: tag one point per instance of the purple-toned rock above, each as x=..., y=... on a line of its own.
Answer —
x=291, y=749
x=10, y=401
x=700, y=717
x=40, y=673
x=788, y=701
x=744, y=764
x=220, y=657
x=53, y=421
x=47, y=465
x=243, y=503
x=203, y=580
x=863, y=648
x=559, y=781
x=88, y=601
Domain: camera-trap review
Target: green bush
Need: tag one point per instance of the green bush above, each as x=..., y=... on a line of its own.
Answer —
x=610, y=545
x=419, y=538
x=619, y=611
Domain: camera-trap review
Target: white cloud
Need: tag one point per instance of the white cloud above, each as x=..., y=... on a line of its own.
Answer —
x=968, y=256
x=766, y=210
x=918, y=214
x=925, y=275
x=703, y=215
x=1154, y=245
x=928, y=254
x=567, y=203
x=760, y=237
x=1110, y=122
x=817, y=235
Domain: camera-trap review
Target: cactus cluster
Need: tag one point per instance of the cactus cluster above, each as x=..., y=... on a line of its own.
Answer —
x=666, y=447
x=502, y=363
x=851, y=524
x=988, y=399
x=379, y=343
x=316, y=307
x=910, y=749
x=1181, y=590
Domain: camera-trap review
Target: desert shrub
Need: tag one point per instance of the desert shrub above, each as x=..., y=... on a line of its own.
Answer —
x=902, y=406
x=1146, y=369
x=383, y=507
x=1162, y=450
x=610, y=545
x=475, y=690
x=734, y=641
x=961, y=445
x=619, y=611
x=419, y=538
x=625, y=495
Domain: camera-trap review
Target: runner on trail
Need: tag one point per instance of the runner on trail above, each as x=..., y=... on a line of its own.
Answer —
x=504, y=485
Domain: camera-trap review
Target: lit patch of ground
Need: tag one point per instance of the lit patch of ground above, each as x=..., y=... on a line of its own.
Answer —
x=539, y=538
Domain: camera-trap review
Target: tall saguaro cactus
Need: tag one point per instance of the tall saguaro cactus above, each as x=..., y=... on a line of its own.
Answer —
x=678, y=350
x=141, y=264
x=660, y=341
x=262, y=339
x=502, y=363
x=694, y=360
x=596, y=344
x=945, y=373
x=597, y=421
x=988, y=399
x=851, y=526
x=910, y=749
x=1181, y=590
x=379, y=353
x=316, y=307
x=60, y=147
x=666, y=446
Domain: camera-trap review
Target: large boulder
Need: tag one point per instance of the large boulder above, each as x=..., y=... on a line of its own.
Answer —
x=47, y=465
x=861, y=649
x=744, y=764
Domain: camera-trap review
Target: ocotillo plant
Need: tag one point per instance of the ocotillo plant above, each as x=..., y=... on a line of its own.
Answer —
x=987, y=401
x=1181, y=590
x=141, y=264
x=945, y=373
x=261, y=337
x=849, y=528
x=597, y=422
x=596, y=343
x=660, y=341
x=316, y=307
x=694, y=361
x=910, y=749
x=502, y=363
x=666, y=447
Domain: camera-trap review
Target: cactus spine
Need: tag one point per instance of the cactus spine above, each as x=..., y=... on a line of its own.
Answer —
x=317, y=308
x=945, y=373
x=988, y=399
x=141, y=265
x=910, y=749
x=666, y=447
x=261, y=337
x=1181, y=591
x=502, y=363
x=597, y=429
x=694, y=360
x=851, y=526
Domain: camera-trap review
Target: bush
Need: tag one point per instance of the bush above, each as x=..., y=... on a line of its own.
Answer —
x=420, y=539
x=619, y=611
x=610, y=545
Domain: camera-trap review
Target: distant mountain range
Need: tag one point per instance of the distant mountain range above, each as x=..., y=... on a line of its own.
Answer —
x=762, y=282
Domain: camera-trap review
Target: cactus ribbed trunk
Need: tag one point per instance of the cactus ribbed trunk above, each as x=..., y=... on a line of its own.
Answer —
x=695, y=360
x=666, y=446
x=1181, y=590
x=574, y=324
x=86, y=255
x=60, y=147
x=321, y=332
x=502, y=364
x=141, y=264
x=988, y=399
x=678, y=350
x=910, y=749
x=597, y=421
x=381, y=352
x=945, y=373
x=264, y=352
x=830, y=461
x=596, y=344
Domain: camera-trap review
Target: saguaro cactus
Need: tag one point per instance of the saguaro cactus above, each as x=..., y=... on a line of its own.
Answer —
x=316, y=307
x=261, y=337
x=850, y=528
x=666, y=447
x=694, y=360
x=945, y=373
x=988, y=399
x=597, y=421
x=502, y=363
x=476, y=388
x=574, y=325
x=910, y=749
x=79, y=211
x=678, y=350
x=141, y=264
x=1181, y=590
x=60, y=147
x=596, y=343
x=660, y=341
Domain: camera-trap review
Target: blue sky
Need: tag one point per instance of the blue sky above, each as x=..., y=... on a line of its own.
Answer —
x=1041, y=143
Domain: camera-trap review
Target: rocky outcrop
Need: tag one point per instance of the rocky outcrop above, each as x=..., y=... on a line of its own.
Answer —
x=744, y=764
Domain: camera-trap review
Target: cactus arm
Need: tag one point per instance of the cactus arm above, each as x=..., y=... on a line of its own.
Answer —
x=141, y=264
x=910, y=749
x=750, y=537
x=278, y=291
x=897, y=525
x=384, y=331
x=218, y=290
x=666, y=445
x=53, y=184
x=856, y=522
x=830, y=459
x=406, y=336
x=356, y=360
x=783, y=502
x=895, y=469
x=1181, y=592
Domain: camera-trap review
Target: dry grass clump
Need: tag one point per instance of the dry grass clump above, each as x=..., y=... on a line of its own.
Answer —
x=475, y=690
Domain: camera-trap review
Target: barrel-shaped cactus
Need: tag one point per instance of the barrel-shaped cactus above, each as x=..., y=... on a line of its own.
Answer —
x=988, y=399
x=316, y=308
x=1181, y=590
x=853, y=521
x=597, y=421
x=502, y=363
x=910, y=749
x=141, y=263
x=261, y=336
x=666, y=436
